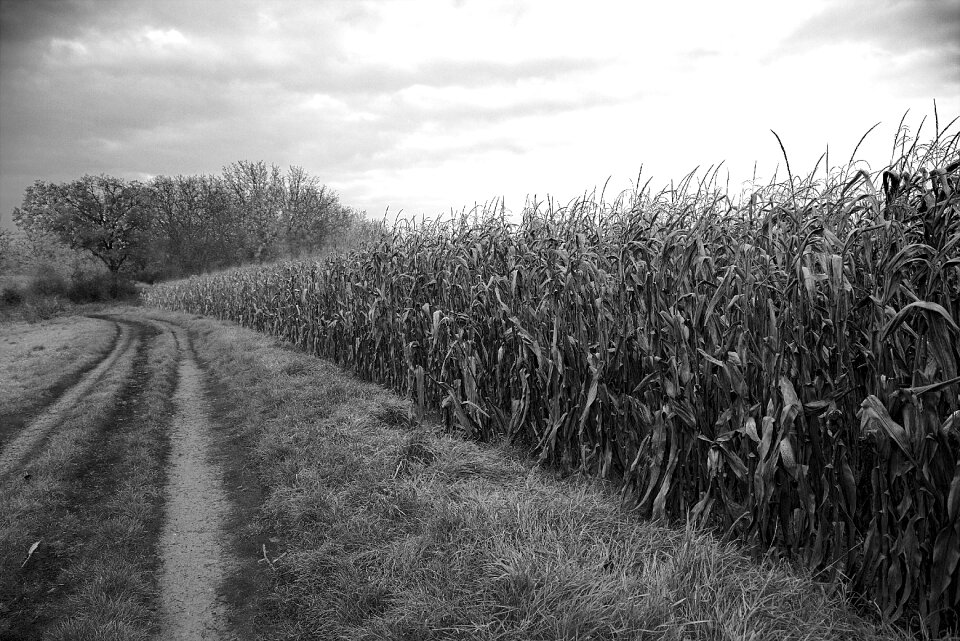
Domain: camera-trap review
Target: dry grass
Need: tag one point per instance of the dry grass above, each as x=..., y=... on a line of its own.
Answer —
x=379, y=528
x=40, y=359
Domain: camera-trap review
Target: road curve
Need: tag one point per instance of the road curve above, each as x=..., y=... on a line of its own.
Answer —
x=30, y=436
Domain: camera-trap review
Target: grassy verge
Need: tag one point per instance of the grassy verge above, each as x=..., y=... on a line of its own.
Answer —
x=40, y=360
x=92, y=498
x=370, y=528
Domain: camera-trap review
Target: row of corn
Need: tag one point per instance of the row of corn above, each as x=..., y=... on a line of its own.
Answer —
x=784, y=369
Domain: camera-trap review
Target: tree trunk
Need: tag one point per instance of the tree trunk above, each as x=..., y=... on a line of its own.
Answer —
x=114, y=282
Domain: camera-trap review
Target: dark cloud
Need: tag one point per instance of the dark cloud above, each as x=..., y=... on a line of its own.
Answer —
x=132, y=87
x=895, y=26
x=232, y=37
x=23, y=20
x=84, y=90
x=918, y=40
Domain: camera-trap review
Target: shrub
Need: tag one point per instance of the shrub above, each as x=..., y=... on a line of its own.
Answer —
x=47, y=281
x=11, y=296
x=43, y=308
x=89, y=288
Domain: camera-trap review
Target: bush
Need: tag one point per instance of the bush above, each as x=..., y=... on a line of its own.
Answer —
x=43, y=309
x=11, y=296
x=47, y=281
x=126, y=289
x=158, y=273
x=89, y=288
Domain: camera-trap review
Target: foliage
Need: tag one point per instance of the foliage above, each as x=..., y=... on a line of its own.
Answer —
x=784, y=367
x=38, y=266
x=181, y=225
x=24, y=253
x=6, y=248
x=10, y=295
x=88, y=287
x=47, y=282
x=103, y=215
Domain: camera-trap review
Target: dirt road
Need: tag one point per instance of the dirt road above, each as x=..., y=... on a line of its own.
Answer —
x=21, y=446
x=72, y=459
x=194, y=561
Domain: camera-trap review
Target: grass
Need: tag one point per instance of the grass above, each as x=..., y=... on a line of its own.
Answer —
x=367, y=526
x=41, y=359
x=92, y=499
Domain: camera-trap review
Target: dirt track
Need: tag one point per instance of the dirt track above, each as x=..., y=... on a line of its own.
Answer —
x=190, y=543
x=194, y=561
x=31, y=436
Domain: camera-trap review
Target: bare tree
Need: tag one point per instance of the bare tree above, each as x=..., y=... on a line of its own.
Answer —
x=194, y=223
x=312, y=213
x=257, y=193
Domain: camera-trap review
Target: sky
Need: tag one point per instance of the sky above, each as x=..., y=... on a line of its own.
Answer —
x=420, y=108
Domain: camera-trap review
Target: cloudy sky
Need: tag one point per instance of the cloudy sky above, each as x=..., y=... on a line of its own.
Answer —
x=431, y=105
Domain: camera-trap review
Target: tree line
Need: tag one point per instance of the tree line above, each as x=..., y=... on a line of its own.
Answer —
x=174, y=226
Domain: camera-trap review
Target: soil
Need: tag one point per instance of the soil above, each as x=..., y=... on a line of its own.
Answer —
x=194, y=561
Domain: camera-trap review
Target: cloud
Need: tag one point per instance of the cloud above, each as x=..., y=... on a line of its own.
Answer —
x=699, y=53
x=895, y=27
x=422, y=101
x=172, y=54
x=374, y=79
x=112, y=85
x=25, y=20
x=913, y=45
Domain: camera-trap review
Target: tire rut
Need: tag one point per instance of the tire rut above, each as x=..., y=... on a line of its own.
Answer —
x=19, y=447
x=11, y=423
x=194, y=562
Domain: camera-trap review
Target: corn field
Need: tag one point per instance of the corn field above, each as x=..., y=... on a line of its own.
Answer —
x=783, y=368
